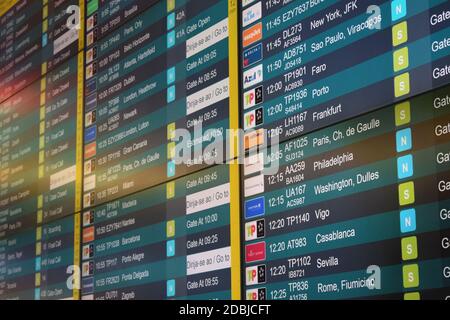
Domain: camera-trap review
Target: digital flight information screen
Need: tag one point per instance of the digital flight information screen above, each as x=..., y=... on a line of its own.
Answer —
x=224, y=150
x=358, y=206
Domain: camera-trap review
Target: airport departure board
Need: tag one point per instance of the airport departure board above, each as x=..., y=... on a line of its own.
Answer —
x=41, y=122
x=224, y=149
x=41, y=150
x=310, y=64
x=358, y=209
x=35, y=38
x=147, y=76
x=167, y=242
x=166, y=69
x=38, y=264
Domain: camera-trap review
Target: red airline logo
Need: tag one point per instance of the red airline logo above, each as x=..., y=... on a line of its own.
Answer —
x=252, y=34
x=255, y=252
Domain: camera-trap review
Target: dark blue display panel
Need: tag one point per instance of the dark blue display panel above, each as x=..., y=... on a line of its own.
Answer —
x=358, y=205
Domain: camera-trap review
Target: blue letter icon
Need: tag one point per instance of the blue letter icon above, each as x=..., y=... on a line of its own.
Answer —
x=398, y=8
x=404, y=140
x=171, y=248
x=408, y=220
x=405, y=167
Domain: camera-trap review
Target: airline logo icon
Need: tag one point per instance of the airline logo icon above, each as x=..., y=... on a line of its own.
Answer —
x=89, y=167
x=88, y=218
x=91, y=103
x=254, y=186
x=91, y=22
x=90, y=150
x=255, y=230
x=91, y=87
x=253, y=97
x=255, y=208
x=253, y=55
x=88, y=234
x=89, y=183
x=247, y=2
x=91, y=55
x=91, y=37
x=253, y=119
x=88, y=286
x=91, y=70
x=251, y=14
x=90, y=118
x=89, y=199
x=252, y=35
x=255, y=252
x=254, y=139
x=88, y=251
x=255, y=275
x=88, y=269
x=256, y=294
x=253, y=76
x=90, y=134
x=254, y=164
